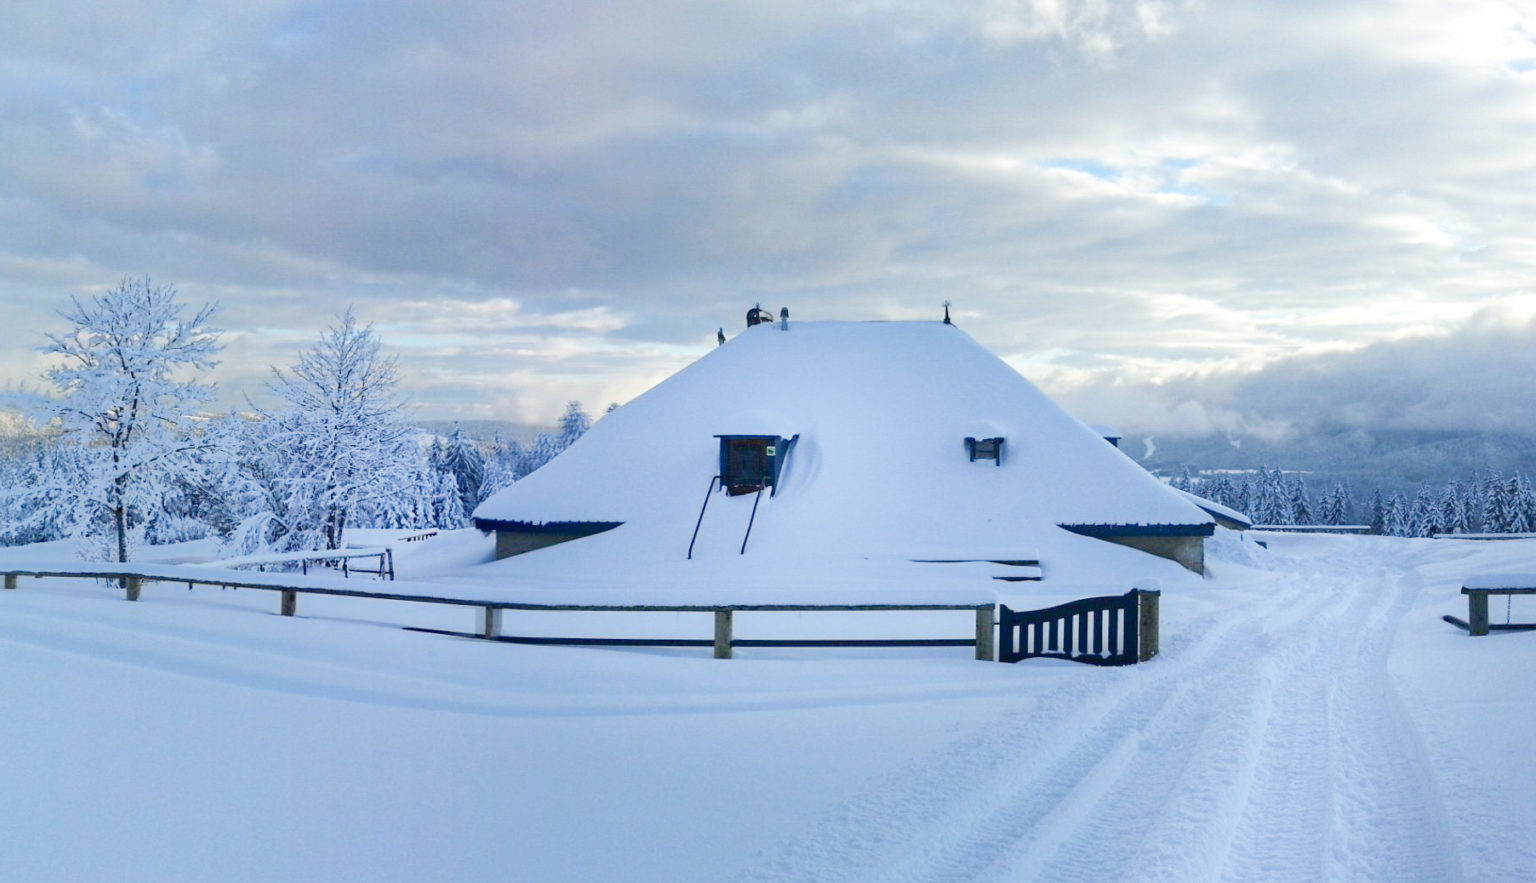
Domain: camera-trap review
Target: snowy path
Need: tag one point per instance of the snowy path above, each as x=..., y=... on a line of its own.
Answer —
x=1268, y=743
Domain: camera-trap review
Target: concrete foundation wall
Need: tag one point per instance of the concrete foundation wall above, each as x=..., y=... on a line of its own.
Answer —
x=516, y=542
x=1188, y=551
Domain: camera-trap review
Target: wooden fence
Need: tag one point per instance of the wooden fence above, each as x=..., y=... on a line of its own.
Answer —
x=490, y=611
x=1477, y=622
x=1111, y=630
x=384, y=555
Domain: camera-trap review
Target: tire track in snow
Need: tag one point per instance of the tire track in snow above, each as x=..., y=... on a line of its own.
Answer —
x=1391, y=820
x=1271, y=747
x=1170, y=815
x=1032, y=777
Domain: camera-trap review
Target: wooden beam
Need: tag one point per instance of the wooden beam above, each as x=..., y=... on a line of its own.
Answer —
x=290, y=602
x=490, y=622
x=722, y=634
x=1147, y=628
x=131, y=584
x=986, y=620
x=1477, y=612
x=10, y=580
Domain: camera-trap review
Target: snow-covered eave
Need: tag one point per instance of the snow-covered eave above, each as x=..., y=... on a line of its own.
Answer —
x=544, y=527
x=1222, y=514
x=1500, y=581
x=1105, y=531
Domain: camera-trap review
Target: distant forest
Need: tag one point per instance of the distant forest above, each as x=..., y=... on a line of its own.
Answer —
x=236, y=486
x=1486, y=503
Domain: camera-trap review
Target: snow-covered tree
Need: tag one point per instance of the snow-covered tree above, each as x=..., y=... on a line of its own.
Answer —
x=574, y=423
x=41, y=490
x=126, y=384
x=1495, y=511
x=1378, y=512
x=501, y=466
x=461, y=457
x=1222, y=491
x=1300, y=502
x=1520, y=503
x=342, y=441
x=1271, y=501
x=1394, y=516
x=1423, y=514
x=1335, y=506
x=1184, y=481
x=1454, y=517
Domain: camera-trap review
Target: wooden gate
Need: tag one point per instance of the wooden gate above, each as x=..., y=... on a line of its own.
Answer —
x=1112, y=630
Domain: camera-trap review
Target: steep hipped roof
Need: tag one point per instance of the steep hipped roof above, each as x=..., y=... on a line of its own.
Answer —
x=880, y=468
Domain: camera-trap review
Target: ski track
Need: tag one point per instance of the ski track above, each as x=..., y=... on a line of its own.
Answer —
x=1292, y=759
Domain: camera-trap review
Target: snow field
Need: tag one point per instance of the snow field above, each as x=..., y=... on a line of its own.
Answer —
x=1309, y=718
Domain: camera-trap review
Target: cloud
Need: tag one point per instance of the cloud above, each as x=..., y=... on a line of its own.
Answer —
x=1473, y=378
x=1108, y=192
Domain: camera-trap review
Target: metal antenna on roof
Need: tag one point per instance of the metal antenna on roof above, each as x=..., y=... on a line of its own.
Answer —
x=946, y=314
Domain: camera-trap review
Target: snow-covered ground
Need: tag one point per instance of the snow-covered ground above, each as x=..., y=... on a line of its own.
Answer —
x=1310, y=718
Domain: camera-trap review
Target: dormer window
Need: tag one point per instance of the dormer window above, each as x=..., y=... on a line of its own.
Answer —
x=985, y=449
x=749, y=463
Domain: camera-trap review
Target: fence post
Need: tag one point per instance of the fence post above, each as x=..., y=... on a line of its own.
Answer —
x=10, y=580
x=1148, y=600
x=722, y=634
x=132, y=586
x=290, y=602
x=490, y=622
x=1477, y=612
x=985, y=620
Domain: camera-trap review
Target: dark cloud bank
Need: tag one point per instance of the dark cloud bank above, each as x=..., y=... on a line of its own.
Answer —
x=1393, y=413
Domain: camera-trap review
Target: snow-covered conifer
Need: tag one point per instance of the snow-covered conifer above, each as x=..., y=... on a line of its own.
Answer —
x=1519, y=502
x=1300, y=503
x=462, y=458
x=1335, y=506
x=1453, y=508
x=1395, y=516
x=500, y=467
x=1423, y=514
x=1494, y=511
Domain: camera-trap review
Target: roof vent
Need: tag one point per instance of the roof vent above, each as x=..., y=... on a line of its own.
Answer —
x=758, y=316
x=985, y=449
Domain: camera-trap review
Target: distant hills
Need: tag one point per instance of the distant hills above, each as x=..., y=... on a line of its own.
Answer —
x=487, y=430
x=1393, y=460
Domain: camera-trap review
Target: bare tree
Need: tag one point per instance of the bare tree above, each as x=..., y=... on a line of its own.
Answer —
x=340, y=435
x=124, y=395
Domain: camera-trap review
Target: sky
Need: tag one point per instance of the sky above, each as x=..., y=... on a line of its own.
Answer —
x=1175, y=217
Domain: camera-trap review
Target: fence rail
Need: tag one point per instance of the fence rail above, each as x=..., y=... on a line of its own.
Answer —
x=383, y=554
x=1109, y=630
x=490, y=612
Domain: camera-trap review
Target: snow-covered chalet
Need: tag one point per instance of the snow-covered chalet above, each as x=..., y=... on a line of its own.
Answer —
x=809, y=447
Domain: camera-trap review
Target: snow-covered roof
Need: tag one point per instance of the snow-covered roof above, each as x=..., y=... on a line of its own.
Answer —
x=880, y=468
x=1237, y=519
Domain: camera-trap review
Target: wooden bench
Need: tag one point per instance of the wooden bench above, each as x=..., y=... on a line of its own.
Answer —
x=1478, y=588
